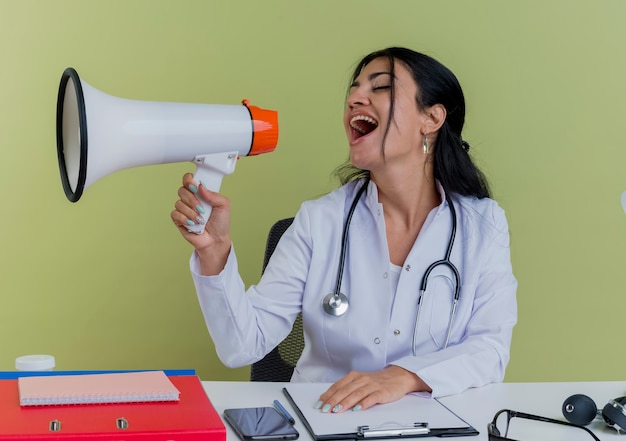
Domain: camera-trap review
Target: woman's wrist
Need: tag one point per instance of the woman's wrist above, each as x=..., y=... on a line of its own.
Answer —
x=413, y=381
x=213, y=259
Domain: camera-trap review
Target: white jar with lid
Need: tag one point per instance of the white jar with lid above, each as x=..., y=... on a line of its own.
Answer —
x=37, y=362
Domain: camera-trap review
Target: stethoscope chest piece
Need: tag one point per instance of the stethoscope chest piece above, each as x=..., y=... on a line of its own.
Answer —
x=335, y=303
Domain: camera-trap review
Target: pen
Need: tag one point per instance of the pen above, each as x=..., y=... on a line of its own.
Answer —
x=279, y=407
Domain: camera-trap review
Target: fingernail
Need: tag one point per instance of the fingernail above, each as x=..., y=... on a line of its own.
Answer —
x=326, y=408
x=318, y=405
x=190, y=222
x=357, y=408
x=337, y=408
x=199, y=209
x=193, y=188
x=200, y=220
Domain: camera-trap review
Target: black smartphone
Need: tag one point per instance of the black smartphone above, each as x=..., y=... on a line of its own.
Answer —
x=260, y=423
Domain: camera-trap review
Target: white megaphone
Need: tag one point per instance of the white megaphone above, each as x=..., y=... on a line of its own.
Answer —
x=98, y=134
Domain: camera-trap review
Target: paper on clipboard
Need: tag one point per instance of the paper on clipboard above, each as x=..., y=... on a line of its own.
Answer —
x=410, y=411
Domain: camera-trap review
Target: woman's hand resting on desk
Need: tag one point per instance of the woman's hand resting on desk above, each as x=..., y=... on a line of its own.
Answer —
x=213, y=244
x=360, y=390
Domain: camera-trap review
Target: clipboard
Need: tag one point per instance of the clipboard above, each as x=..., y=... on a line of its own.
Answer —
x=412, y=416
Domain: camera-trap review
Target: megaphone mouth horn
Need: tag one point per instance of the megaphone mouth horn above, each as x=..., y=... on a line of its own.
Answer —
x=71, y=129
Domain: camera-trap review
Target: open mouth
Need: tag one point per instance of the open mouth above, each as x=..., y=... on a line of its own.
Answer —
x=362, y=125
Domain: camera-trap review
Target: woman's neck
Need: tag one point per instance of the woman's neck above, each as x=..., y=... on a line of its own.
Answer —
x=406, y=205
x=407, y=199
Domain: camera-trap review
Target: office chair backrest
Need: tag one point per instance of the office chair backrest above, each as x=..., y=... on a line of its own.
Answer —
x=278, y=365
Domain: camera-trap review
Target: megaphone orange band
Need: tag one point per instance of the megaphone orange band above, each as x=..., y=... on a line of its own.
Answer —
x=265, y=126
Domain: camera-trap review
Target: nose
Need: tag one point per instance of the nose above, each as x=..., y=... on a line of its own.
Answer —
x=357, y=96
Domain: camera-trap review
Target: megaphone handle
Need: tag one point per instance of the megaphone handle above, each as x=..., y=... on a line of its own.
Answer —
x=210, y=169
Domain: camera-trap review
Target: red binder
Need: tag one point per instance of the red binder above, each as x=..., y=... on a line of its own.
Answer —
x=193, y=418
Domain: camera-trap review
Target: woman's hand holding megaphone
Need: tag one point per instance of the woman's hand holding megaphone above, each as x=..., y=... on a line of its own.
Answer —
x=213, y=244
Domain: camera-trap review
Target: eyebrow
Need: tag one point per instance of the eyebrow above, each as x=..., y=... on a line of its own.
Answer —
x=377, y=74
x=373, y=76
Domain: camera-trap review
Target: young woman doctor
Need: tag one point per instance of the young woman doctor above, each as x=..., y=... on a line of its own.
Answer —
x=402, y=275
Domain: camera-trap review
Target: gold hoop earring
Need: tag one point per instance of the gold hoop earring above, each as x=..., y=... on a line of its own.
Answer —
x=425, y=145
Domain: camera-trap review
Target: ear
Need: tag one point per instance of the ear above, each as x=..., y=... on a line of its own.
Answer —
x=435, y=117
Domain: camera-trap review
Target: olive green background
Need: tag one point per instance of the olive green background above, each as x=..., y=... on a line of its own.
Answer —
x=104, y=283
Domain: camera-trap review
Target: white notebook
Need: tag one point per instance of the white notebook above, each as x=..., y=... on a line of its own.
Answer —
x=125, y=387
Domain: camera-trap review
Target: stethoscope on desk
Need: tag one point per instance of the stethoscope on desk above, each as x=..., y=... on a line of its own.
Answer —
x=336, y=303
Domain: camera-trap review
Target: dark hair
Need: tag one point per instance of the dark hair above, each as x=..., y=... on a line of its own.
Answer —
x=436, y=84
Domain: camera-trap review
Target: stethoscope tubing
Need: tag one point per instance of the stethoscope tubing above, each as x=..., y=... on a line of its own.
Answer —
x=344, y=238
x=457, y=278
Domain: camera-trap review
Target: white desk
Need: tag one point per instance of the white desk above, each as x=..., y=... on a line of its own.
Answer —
x=476, y=406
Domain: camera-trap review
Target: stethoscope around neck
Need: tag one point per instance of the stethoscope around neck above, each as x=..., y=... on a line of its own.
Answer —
x=336, y=303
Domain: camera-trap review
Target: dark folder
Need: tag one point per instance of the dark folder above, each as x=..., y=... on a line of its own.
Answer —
x=410, y=417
